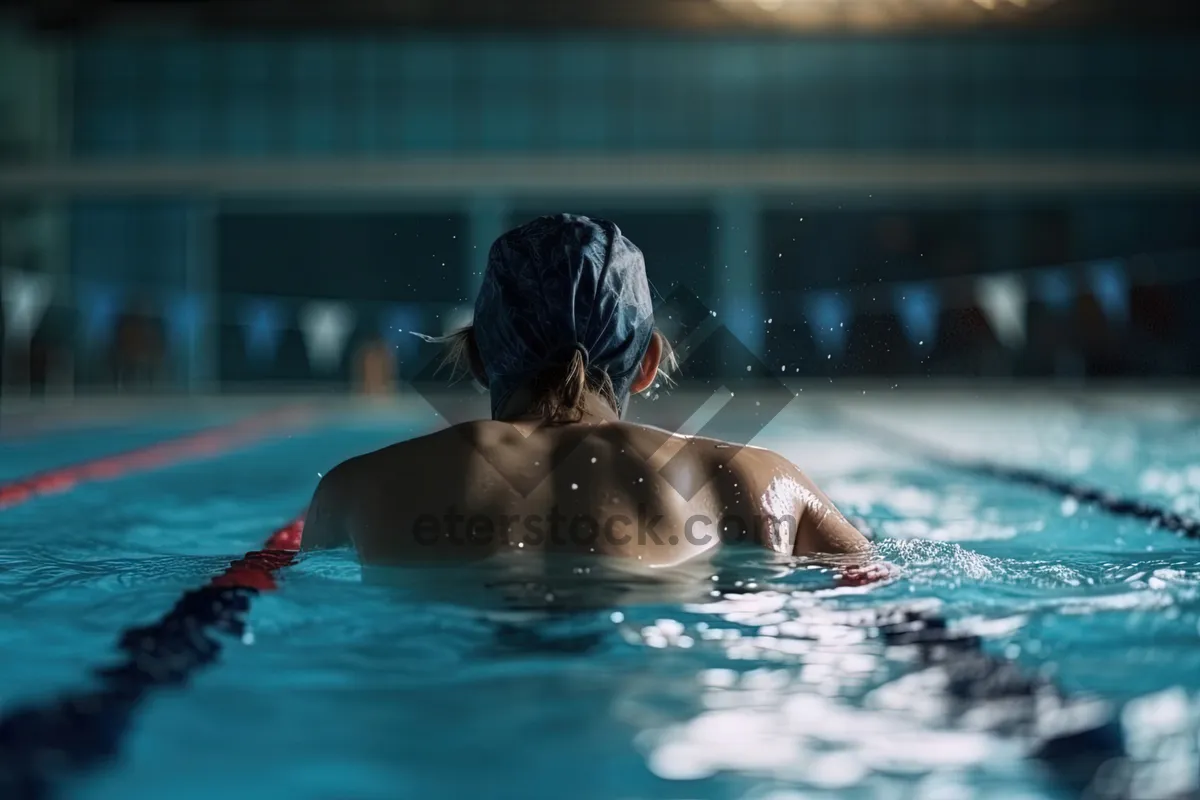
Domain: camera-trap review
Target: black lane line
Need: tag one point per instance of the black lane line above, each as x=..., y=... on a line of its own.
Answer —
x=1075, y=754
x=1107, y=501
x=43, y=745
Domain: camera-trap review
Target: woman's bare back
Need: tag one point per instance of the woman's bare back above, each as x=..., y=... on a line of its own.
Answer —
x=608, y=488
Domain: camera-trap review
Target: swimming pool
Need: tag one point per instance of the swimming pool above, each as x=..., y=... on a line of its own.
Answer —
x=769, y=683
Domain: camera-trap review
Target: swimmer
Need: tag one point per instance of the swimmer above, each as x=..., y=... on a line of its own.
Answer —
x=563, y=334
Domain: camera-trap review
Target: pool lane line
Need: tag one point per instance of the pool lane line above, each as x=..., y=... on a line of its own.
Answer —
x=1107, y=501
x=43, y=745
x=201, y=444
x=1074, y=742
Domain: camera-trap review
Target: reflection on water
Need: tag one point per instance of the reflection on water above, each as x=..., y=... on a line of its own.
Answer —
x=762, y=671
x=972, y=673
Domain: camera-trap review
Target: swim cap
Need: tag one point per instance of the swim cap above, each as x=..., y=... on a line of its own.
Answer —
x=555, y=285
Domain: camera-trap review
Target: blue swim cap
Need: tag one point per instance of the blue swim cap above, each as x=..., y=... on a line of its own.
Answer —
x=556, y=285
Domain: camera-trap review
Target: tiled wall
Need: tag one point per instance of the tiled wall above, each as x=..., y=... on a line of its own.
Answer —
x=298, y=97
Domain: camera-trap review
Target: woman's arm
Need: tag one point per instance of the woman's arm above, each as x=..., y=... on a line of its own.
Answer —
x=822, y=528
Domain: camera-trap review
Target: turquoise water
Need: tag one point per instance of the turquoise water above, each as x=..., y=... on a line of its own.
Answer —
x=757, y=679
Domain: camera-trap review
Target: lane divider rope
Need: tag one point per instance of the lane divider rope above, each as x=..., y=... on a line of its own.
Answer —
x=42, y=744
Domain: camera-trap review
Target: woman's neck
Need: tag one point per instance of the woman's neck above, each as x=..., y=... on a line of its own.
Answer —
x=521, y=406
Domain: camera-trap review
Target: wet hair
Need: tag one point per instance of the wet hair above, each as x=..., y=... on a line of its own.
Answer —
x=559, y=390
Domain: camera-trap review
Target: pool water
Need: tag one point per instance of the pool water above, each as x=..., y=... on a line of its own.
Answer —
x=760, y=680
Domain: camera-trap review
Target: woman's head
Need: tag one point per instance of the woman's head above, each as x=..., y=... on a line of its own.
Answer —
x=564, y=311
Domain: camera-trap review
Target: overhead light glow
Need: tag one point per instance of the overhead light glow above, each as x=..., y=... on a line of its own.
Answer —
x=817, y=12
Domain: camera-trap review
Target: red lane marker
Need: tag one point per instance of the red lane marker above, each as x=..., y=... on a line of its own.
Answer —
x=196, y=445
x=256, y=569
x=42, y=744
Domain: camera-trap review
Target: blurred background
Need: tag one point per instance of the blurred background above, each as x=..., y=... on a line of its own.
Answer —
x=220, y=197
